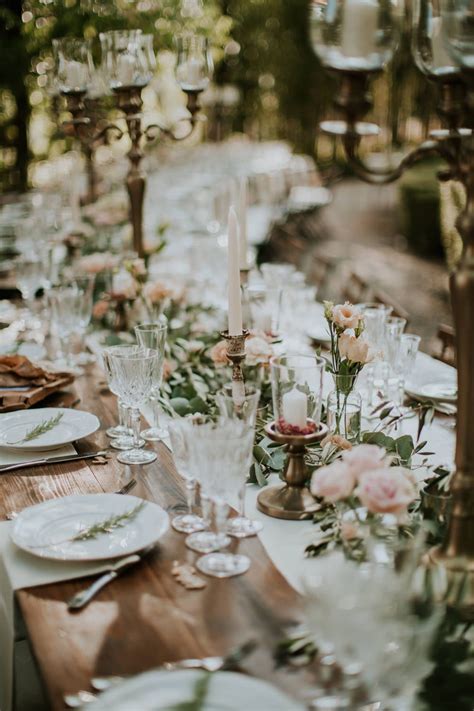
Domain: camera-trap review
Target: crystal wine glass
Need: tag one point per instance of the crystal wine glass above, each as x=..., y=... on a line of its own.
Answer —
x=240, y=526
x=221, y=452
x=29, y=278
x=133, y=369
x=181, y=431
x=65, y=304
x=121, y=434
x=85, y=285
x=153, y=335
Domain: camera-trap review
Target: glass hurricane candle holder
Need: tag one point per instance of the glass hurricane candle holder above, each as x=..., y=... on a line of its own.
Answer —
x=297, y=383
x=74, y=65
x=354, y=35
x=264, y=309
x=194, y=65
x=123, y=60
x=458, y=30
x=429, y=46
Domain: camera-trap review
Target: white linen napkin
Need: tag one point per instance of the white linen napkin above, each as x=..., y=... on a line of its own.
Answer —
x=19, y=570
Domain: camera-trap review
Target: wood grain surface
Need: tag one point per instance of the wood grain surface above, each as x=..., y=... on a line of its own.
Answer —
x=145, y=617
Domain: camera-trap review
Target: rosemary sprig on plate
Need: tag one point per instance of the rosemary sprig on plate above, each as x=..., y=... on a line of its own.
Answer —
x=40, y=429
x=109, y=524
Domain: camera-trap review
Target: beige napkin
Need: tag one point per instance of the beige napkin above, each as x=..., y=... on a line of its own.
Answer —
x=18, y=570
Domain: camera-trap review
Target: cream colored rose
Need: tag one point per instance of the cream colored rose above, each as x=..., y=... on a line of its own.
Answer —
x=345, y=315
x=387, y=490
x=337, y=440
x=218, y=353
x=334, y=482
x=154, y=292
x=364, y=458
x=357, y=350
x=257, y=350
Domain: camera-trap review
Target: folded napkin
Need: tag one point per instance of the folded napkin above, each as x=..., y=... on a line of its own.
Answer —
x=18, y=570
x=34, y=382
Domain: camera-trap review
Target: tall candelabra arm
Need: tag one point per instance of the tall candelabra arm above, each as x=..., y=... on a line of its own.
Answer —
x=376, y=176
x=107, y=133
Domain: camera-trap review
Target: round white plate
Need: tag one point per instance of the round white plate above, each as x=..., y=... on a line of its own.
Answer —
x=438, y=391
x=162, y=690
x=73, y=425
x=45, y=530
x=318, y=334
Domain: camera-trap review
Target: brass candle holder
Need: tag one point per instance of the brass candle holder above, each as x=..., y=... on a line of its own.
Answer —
x=236, y=355
x=292, y=500
x=244, y=277
x=128, y=99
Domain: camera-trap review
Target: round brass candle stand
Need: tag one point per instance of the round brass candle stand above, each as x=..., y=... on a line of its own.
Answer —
x=292, y=500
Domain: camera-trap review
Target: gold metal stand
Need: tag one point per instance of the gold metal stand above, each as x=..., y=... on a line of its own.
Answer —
x=292, y=500
x=236, y=355
x=456, y=146
x=128, y=100
x=83, y=125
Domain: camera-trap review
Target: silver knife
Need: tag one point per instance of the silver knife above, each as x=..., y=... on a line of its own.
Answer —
x=52, y=460
x=82, y=598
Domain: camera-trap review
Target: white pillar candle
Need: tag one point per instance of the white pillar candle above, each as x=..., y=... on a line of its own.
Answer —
x=76, y=75
x=243, y=223
x=441, y=56
x=294, y=408
x=233, y=275
x=359, y=26
x=194, y=72
x=125, y=69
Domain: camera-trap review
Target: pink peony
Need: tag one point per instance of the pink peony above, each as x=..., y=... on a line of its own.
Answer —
x=364, y=458
x=345, y=315
x=387, y=490
x=334, y=482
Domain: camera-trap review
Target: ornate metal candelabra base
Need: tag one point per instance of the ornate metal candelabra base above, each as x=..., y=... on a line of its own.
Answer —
x=236, y=355
x=292, y=500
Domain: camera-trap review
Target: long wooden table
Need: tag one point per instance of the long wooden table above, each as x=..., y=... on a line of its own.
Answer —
x=145, y=617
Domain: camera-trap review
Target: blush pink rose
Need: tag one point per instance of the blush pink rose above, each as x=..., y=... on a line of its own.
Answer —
x=364, y=458
x=357, y=350
x=387, y=490
x=345, y=315
x=218, y=353
x=334, y=482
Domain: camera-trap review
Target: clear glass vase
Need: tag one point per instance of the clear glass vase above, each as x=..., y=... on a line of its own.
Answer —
x=344, y=408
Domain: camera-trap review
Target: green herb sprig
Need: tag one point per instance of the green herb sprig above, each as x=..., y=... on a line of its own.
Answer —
x=109, y=524
x=40, y=429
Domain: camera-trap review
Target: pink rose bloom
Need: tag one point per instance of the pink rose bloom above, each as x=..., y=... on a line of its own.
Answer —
x=100, y=309
x=334, y=482
x=258, y=350
x=345, y=315
x=168, y=368
x=350, y=531
x=218, y=353
x=356, y=350
x=156, y=292
x=97, y=262
x=387, y=490
x=364, y=458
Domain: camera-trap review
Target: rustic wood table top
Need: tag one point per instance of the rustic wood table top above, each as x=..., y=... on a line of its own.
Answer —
x=145, y=617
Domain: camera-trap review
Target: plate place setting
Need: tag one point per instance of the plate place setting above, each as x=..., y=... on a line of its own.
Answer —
x=45, y=429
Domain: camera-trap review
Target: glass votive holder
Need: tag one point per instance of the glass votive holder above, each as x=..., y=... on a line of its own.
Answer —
x=123, y=60
x=264, y=307
x=194, y=66
x=297, y=384
x=74, y=65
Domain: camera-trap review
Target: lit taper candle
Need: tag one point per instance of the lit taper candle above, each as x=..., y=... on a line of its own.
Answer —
x=233, y=272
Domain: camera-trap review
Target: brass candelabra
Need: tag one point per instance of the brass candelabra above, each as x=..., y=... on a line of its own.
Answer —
x=455, y=144
x=236, y=355
x=128, y=100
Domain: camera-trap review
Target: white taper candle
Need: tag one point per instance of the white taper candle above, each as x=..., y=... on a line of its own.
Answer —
x=233, y=275
x=243, y=223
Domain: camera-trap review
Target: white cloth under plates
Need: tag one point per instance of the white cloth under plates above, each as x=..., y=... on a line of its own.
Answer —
x=19, y=570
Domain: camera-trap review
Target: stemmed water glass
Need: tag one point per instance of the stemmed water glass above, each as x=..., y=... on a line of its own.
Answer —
x=133, y=370
x=29, y=278
x=181, y=432
x=246, y=411
x=221, y=452
x=153, y=335
x=121, y=434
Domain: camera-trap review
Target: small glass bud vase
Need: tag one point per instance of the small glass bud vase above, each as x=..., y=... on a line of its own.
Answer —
x=344, y=408
x=297, y=382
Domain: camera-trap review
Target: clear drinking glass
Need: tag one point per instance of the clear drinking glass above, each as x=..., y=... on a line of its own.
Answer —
x=246, y=411
x=181, y=432
x=85, y=286
x=221, y=452
x=355, y=35
x=264, y=305
x=74, y=65
x=29, y=278
x=194, y=66
x=121, y=433
x=65, y=304
x=405, y=363
x=153, y=335
x=133, y=369
x=429, y=48
x=375, y=317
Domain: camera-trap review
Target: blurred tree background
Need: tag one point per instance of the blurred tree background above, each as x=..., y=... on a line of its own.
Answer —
x=261, y=48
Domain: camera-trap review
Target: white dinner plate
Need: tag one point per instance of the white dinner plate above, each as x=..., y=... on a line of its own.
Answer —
x=73, y=425
x=319, y=334
x=163, y=690
x=437, y=392
x=46, y=529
